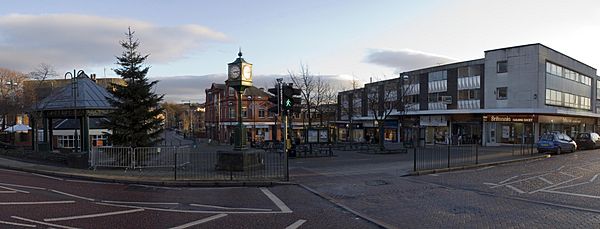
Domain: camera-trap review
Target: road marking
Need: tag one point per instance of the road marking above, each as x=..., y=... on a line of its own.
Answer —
x=521, y=180
x=72, y=195
x=17, y=224
x=568, y=186
x=189, y=211
x=545, y=180
x=297, y=224
x=200, y=221
x=571, y=194
x=554, y=185
x=434, y=175
x=126, y=202
x=49, y=177
x=594, y=178
x=284, y=208
x=559, y=168
x=228, y=208
x=490, y=184
x=566, y=174
x=484, y=168
x=22, y=186
x=14, y=190
x=515, y=189
x=42, y=223
x=93, y=215
x=92, y=182
x=510, y=178
x=36, y=203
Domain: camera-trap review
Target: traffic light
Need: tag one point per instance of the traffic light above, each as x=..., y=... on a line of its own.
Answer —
x=291, y=101
x=274, y=100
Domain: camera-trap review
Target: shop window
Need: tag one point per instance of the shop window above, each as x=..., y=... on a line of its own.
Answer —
x=261, y=113
x=501, y=93
x=502, y=67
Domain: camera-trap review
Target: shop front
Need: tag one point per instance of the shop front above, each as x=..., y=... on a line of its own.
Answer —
x=436, y=129
x=509, y=129
x=566, y=124
x=390, y=128
x=345, y=131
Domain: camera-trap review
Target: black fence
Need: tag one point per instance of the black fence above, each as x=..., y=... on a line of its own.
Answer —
x=445, y=156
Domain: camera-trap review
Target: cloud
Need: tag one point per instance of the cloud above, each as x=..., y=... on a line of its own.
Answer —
x=178, y=88
x=74, y=40
x=406, y=59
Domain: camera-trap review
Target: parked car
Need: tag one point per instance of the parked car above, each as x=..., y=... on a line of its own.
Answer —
x=589, y=140
x=556, y=143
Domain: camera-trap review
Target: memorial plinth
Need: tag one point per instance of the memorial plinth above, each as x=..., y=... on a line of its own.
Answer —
x=240, y=160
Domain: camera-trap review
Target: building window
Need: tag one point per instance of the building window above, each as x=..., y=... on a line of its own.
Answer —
x=567, y=74
x=244, y=112
x=261, y=113
x=501, y=93
x=502, y=67
x=232, y=112
x=472, y=94
x=436, y=97
x=437, y=76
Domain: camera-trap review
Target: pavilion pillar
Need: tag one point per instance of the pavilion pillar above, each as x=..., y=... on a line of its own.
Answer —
x=50, y=134
x=33, y=124
x=45, y=125
x=85, y=133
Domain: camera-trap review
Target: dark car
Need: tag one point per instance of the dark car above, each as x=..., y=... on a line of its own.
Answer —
x=589, y=140
x=557, y=143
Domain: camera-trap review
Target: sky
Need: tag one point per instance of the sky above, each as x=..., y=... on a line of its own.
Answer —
x=191, y=42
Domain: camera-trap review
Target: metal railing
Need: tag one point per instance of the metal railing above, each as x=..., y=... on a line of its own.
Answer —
x=185, y=163
x=444, y=156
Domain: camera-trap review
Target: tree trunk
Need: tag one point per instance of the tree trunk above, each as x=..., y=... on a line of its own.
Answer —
x=381, y=136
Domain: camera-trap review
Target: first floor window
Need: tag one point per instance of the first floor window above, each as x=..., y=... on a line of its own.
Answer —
x=501, y=93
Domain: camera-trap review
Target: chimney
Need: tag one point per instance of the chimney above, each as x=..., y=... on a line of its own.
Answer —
x=93, y=76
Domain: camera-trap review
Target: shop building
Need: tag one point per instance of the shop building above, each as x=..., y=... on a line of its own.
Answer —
x=511, y=96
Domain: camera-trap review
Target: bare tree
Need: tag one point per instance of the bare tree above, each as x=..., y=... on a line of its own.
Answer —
x=351, y=104
x=305, y=81
x=11, y=93
x=387, y=97
x=37, y=91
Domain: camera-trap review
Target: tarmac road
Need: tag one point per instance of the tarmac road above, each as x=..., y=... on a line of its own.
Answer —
x=36, y=201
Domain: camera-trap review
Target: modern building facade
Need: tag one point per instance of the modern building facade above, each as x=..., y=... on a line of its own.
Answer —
x=511, y=96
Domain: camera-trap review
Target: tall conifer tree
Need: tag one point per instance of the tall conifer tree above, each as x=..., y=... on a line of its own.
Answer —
x=135, y=122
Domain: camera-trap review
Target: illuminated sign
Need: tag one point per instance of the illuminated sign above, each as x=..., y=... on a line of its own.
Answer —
x=509, y=118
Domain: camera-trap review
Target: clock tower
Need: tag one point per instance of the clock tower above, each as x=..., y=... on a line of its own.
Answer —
x=239, y=78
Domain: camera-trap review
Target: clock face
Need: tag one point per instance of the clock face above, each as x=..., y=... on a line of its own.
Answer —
x=234, y=71
x=247, y=72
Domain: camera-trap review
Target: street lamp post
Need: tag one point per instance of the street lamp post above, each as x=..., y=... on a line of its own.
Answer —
x=251, y=108
x=75, y=92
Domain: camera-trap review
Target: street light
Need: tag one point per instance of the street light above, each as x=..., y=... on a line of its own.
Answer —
x=253, y=132
x=75, y=93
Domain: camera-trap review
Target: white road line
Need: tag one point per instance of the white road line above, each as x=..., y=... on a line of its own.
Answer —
x=434, y=175
x=284, y=208
x=72, y=195
x=126, y=202
x=490, y=184
x=42, y=223
x=594, y=178
x=190, y=224
x=521, y=180
x=22, y=186
x=571, y=194
x=589, y=170
x=92, y=182
x=37, y=203
x=190, y=211
x=17, y=224
x=559, y=168
x=297, y=224
x=14, y=190
x=568, y=186
x=510, y=178
x=228, y=208
x=8, y=192
x=566, y=174
x=554, y=185
x=93, y=215
x=49, y=177
x=515, y=189
x=545, y=180
x=484, y=168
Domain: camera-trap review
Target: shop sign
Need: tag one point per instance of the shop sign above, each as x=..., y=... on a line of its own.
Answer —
x=390, y=124
x=509, y=118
